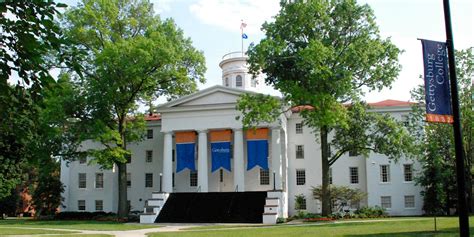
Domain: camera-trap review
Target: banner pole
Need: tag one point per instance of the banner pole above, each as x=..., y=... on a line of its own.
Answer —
x=460, y=170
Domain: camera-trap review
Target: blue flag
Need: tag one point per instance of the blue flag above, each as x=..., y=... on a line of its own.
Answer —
x=220, y=152
x=437, y=93
x=257, y=154
x=185, y=156
x=244, y=36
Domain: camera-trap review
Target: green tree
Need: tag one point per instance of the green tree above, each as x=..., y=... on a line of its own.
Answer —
x=438, y=157
x=323, y=55
x=29, y=37
x=131, y=56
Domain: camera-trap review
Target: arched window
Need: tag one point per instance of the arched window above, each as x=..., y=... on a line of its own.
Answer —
x=238, y=81
x=226, y=82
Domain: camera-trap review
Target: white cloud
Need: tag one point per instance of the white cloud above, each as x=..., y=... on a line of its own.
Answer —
x=227, y=14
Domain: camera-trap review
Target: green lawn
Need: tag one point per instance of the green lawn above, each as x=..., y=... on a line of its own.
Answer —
x=393, y=227
x=18, y=231
x=73, y=225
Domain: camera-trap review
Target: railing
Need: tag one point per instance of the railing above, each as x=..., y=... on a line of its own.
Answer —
x=236, y=54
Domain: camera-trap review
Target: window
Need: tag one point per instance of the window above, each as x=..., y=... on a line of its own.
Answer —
x=299, y=128
x=264, y=177
x=99, y=180
x=81, y=205
x=354, y=175
x=300, y=177
x=129, y=158
x=221, y=175
x=99, y=205
x=409, y=201
x=408, y=172
x=193, y=179
x=82, y=160
x=82, y=180
x=149, y=156
x=238, y=81
x=148, y=180
x=129, y=205
x=385, y=173
x=299, y=152
x=253, y=82
x=129, y=180
x=149, y=133
x=226, y=81
x=172, y=179
x=353, y=153
x=386, y=202
x=302, y=204
x=330, y=175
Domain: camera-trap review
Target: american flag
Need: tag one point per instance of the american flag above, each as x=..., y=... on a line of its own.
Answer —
x=243, y=25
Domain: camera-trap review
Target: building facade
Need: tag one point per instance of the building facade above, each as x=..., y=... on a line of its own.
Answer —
x=293, y=157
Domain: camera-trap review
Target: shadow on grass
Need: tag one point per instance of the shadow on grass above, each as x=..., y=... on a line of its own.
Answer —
x=442, y=232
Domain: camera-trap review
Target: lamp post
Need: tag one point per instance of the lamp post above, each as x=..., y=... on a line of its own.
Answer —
x=161, y=176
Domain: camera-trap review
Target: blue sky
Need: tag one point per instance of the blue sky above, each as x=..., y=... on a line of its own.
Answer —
x=213, y=26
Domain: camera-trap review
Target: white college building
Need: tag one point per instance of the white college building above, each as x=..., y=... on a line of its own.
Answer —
x=208, y=117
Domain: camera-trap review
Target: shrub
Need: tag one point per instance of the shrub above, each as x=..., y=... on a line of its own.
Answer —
x=100, y=215
x=371, y=212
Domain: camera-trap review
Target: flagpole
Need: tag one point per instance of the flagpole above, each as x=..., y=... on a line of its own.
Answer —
x=242, y=35
x=460, y=170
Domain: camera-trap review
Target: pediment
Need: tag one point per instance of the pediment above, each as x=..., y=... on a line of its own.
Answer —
x=213, y=96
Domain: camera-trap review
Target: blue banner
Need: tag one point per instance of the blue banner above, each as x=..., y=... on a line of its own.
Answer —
x=437, y=92
x=220, y=152
x=257, y=154
x=185, y=153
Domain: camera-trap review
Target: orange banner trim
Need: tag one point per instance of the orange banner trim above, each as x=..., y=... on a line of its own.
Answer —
x=438, y=118
x=257, y=134
x=221, y=135
x=185, y=137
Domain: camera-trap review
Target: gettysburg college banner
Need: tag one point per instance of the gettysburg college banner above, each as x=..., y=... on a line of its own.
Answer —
x=185, y=151
x=257, y=148
x=220, y=149
x=437, y=93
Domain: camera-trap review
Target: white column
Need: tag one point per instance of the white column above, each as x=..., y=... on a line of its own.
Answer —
x=202, y=162
x=168, y=163
x=239, y=169
x=276, y=157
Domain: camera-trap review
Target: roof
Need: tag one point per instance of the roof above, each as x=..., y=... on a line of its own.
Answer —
x=383, y=103
x=153, y=117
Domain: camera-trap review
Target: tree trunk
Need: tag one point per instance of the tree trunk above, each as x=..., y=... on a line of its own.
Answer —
x=123, y=207
x=326, y=198
x=122, y=195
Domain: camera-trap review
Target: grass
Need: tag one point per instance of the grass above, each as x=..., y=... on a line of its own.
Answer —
x=19, y=231
x=385, y=228
x=73, y=225
x=79, y=235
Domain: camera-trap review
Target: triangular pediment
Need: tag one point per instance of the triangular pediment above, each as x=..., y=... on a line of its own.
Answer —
x=212, y=96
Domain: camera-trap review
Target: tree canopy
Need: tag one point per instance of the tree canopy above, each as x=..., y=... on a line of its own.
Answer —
x=131, y=56
x=323, y=55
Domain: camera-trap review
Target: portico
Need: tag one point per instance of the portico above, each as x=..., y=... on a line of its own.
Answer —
x=203, y=113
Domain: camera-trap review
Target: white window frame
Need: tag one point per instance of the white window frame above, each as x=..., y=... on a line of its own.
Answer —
x=385, y=176
x=300, y=177
x=193, y=179
x=149, y=156
x=99, y=184
x=353, y=177
x=299, y=153
x=299, y=128
x=80, y=181
x=150, y=133
x=79, y=202
x=148, y=181
x=386, y=202
x=405, y=174
x=238, y=79
x=409, y=202
x=264, y=177
x=99, y=203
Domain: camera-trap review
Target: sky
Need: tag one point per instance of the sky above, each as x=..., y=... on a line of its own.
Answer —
x=214, y=28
